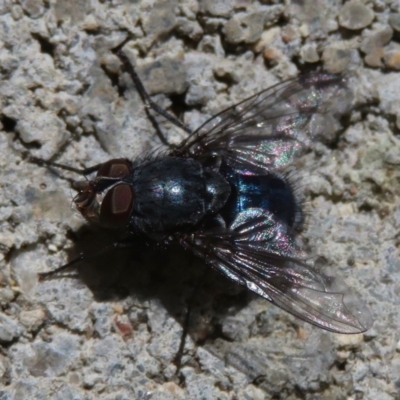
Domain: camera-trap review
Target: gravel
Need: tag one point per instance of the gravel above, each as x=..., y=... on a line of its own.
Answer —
x=60, y=99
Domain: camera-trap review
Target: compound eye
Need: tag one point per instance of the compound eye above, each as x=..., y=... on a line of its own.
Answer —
x=116, y=206
x=115, y=168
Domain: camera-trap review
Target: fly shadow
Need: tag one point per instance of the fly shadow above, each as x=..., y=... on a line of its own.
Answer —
x=201, y=300
x=195, y=295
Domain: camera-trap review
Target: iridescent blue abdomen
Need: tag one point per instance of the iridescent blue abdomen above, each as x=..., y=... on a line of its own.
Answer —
x=271, y=192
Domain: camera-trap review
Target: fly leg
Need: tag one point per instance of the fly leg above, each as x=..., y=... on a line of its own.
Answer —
x=149, y=103
x=48, y=163
x=185, y=331
x=123, y=244
x=186, y=323
x=51, y=164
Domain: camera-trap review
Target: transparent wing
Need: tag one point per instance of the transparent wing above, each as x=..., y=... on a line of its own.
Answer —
x=268, y=129
x=259, y=252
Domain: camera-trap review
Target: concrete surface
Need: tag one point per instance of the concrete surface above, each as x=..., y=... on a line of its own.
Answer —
x=114, y=333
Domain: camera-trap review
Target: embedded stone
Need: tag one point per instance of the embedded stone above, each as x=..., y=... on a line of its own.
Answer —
x=355, y=15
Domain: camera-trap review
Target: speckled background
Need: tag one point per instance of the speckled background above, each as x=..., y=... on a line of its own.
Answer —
x=114, y=333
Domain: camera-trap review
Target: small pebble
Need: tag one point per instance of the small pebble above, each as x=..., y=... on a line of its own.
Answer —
x=6, y=295
x=35, y=8
x=392, y=58
x=289, y=34
x=233, y=31
x=159, y=18
x=336, y=58
x=165, y=75
x=32, y=319
x=349, y=340
x=17, y=12
x=189, y=29
x=90, y=24
x=213, y=45
x=394, y=21
x=309, y=53
x=9, y=329
x=373, y=44
x=217, y=8
x=355, y=15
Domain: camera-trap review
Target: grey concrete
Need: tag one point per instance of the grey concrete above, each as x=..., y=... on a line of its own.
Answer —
x=58, y=98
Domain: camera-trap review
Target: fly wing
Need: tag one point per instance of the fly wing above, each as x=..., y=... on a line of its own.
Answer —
x=258, y=252
x=268, y=129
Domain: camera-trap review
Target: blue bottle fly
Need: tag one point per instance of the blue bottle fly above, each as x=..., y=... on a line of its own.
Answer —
x=224, y=195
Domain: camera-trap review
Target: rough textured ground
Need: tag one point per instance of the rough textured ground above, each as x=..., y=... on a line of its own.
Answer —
x=76, y=338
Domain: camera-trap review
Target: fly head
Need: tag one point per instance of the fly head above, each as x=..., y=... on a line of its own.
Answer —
x=108, y=199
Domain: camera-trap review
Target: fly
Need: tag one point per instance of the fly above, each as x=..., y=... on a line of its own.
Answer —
x=223, y=195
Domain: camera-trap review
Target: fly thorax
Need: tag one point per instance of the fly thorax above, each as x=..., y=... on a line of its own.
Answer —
x=173, y=192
